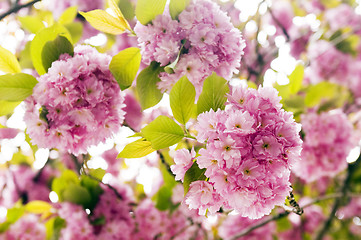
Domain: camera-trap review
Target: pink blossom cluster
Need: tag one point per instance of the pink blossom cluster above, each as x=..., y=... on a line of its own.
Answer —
x=250, y=148
x=327, y=63
x=116, y=211
x=152, y=223
x=77, y=222
x=76, y=104
x=22, y=182
x=235, y=224
x=328, y=140
x=352, y=209
x=203, y=35
x=28, y=227
x=343, y=16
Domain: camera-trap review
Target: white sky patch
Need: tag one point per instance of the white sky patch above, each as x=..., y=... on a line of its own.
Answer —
x=53, y=197
x=41, y=156
x=353, y=155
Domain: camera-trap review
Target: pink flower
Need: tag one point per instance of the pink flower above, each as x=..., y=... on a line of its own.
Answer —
x=208, y=40
x=202, y=196
x=329, y=137
x=76, y=104
x=250, y=148
x=183, y=160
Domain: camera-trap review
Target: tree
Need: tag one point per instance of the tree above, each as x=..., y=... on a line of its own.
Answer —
x=180, y=119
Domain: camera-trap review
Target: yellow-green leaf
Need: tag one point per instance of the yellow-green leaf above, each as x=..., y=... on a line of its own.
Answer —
x=31, y=23
x=124, y=66
x=8, y=62
x=137, y=149
x=296, y=79
x=68, y=15
x=182, y=97
x=177, y=6
x=147, y=89
x=38, y=207
x=16, y=87
x=147, y=10
x=119, y=14
x=40, y=39
x=163, y=132
x=103, y=21
x=7, y=107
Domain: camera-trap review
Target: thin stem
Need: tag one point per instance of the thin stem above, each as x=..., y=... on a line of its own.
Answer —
x=107, y=185
x=17, y=7
x=161, y=156
x=279, y=24
x=286, y=213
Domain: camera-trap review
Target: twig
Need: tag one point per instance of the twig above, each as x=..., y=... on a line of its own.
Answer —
x=286, y=213
x=279, y=24
x=107, y=185
x=17, y=7
x=345, y=185
x=161, y=156
x=260, y=224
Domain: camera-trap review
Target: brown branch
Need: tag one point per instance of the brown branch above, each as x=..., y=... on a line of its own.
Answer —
x=279, y=24
x=286, y=213
x=17, y=7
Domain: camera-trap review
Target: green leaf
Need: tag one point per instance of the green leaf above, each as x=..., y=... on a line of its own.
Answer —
x=38, y=207
x=8, y=62
x=16, y=87
x=13, y=214
x=177, y=6
x=127, y=9
x=60, y=184
x=147, y=10
x=136, y=149
x=213, y=95
x=124, y=66
x=296, y=79
x=163, y=198
x=25, y=57
x=119, y=14
x=31, y=23
x=7, y=107
x=93, y=188
x=147, y=89
x=194, y=173
x=68, y=15
x=163, y=132
x=103, y=21
x=53, y=228
x=324, y=92
x=40, y=39
x=97, y=173
x=53, y=49
x=77, y=194
x=182, y=97
x=283, y=224
x=76, y=30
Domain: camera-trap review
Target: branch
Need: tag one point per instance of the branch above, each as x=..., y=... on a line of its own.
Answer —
x=279, y=24
x=286, y=213
x=107, y=185
x=260, y=224
x=345, y=185
x=165, y=163
x=17, y=7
